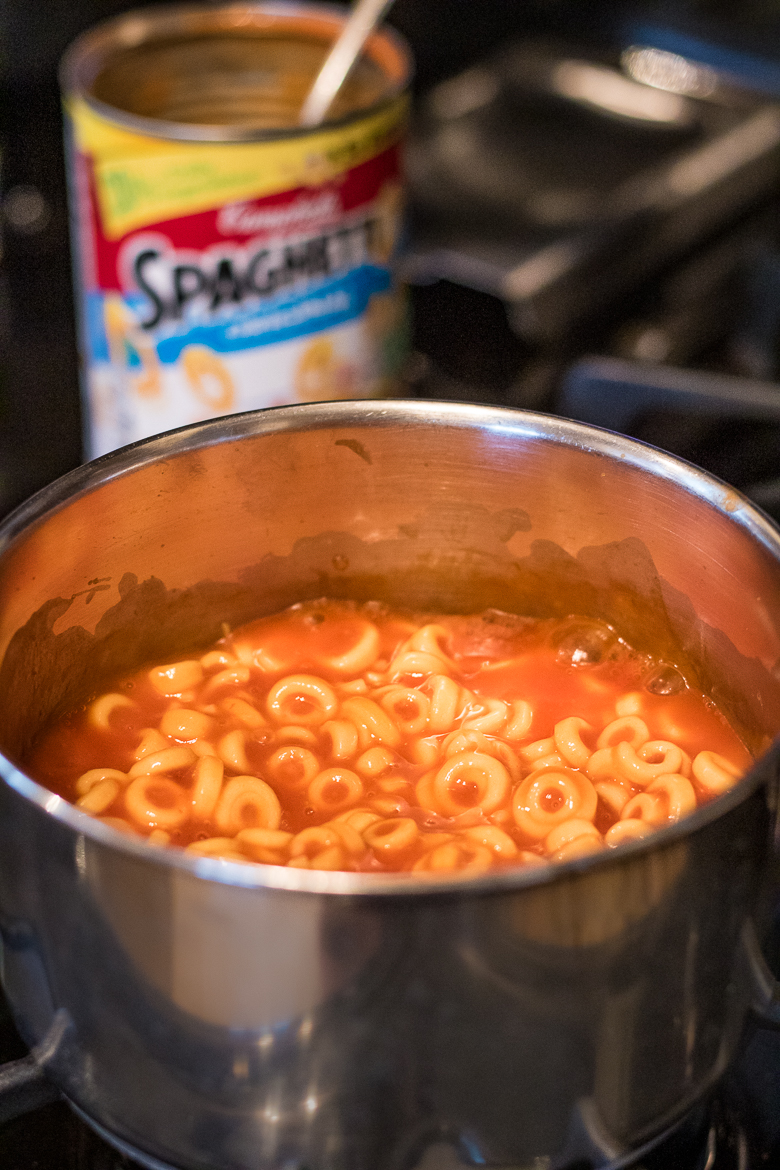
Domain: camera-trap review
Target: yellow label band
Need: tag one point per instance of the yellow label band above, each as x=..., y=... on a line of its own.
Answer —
x=142, y=180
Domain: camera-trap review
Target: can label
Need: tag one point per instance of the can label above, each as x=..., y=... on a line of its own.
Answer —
x=221, y=277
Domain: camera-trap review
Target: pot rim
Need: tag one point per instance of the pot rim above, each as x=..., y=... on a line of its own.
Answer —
x=362, y=413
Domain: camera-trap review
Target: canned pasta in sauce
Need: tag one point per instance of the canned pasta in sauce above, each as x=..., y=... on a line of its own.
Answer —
x=226, y=258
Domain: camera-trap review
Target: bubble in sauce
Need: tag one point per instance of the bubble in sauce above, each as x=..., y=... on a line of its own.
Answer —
x=665, y=680
x=585, y=643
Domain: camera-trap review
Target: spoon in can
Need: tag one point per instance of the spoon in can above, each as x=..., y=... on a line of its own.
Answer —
x=362, y=20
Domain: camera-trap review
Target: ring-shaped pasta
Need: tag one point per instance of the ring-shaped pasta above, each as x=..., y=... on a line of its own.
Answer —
x=601, y=765
x=715, y=774
x=100, y=711
x=231, y=676
x=627, y=729
x=493, y=838
x=414, y=664
x=374, y=762
x=89, y=780
x=351, y=840
x=247, y=803
x=231, y=749
x=242, y=711
x=462, y=855
x=358, y=818
x=519, y=720
x=537, y=750
x=208, y=775
x=268, y=846
x=343, y=738
x=186, y=725
x=631, y=830
x=579, y=847
x=176, y=677
x=445, y=702
x=679, y=792
x=293, y=767
x=550, y=797
x=650, y=807
x=223, y=847
x=302, y=699
x=632, y=703
x=334, y=790
x=151, y=741
x=168, y=760
x=407, y=707
x=428, y=640
x=391, y=837
x=157, y=802
x=360, y=655
x=487, y=716
x=613, y=794
x=301, y=735
x=639, y=766
x=568, y=741
x=569, y=831
x=470, y=780
x=309, y=842
x=426, y=751
x=99, y=797
x=372, y=723
x=216, y=660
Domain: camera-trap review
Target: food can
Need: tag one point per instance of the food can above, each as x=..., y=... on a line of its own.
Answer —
x=227, y=258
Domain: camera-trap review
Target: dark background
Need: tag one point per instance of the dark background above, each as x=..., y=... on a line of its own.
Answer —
x=40, y=425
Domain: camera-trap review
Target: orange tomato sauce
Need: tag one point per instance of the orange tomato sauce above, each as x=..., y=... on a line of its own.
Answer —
x=351, y=737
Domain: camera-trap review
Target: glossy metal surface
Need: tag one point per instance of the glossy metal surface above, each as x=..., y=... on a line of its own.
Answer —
x=243, y=1017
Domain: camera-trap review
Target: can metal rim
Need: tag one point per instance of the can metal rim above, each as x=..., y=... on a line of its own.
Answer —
x=86, y=56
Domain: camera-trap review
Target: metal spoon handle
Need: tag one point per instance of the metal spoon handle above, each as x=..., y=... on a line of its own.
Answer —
x=363, y=19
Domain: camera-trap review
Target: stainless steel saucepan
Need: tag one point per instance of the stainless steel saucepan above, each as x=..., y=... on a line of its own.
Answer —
x=236, y=1017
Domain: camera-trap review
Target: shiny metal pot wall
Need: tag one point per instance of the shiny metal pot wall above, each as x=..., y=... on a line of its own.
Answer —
x=235, y=1017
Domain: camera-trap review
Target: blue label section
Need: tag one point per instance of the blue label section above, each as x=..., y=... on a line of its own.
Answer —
x=328, y=304
x=97, y=342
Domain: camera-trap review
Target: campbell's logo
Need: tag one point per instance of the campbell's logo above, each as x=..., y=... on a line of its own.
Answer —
x=181, y=283
x=300, y=213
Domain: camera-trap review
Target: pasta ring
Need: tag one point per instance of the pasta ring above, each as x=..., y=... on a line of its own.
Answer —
x=632, y=830
x=568, y=741
x=157, y=802
x=302, y=699
x=408, y=707
x=371, y=721
x=462, y=855
x=679, y=792
x=207, y=786
x=100, y=711
x=627, y=729
x=209, y=377
x=99, y=797
x=359, y=656
x=334, y=790
x=392, y=836
x=247, y=803
x=551, y=797
x=293, y=767
x=714, y=773
x=444, y=702
x=89, y=780
x=481, y=779
x=635, y=766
